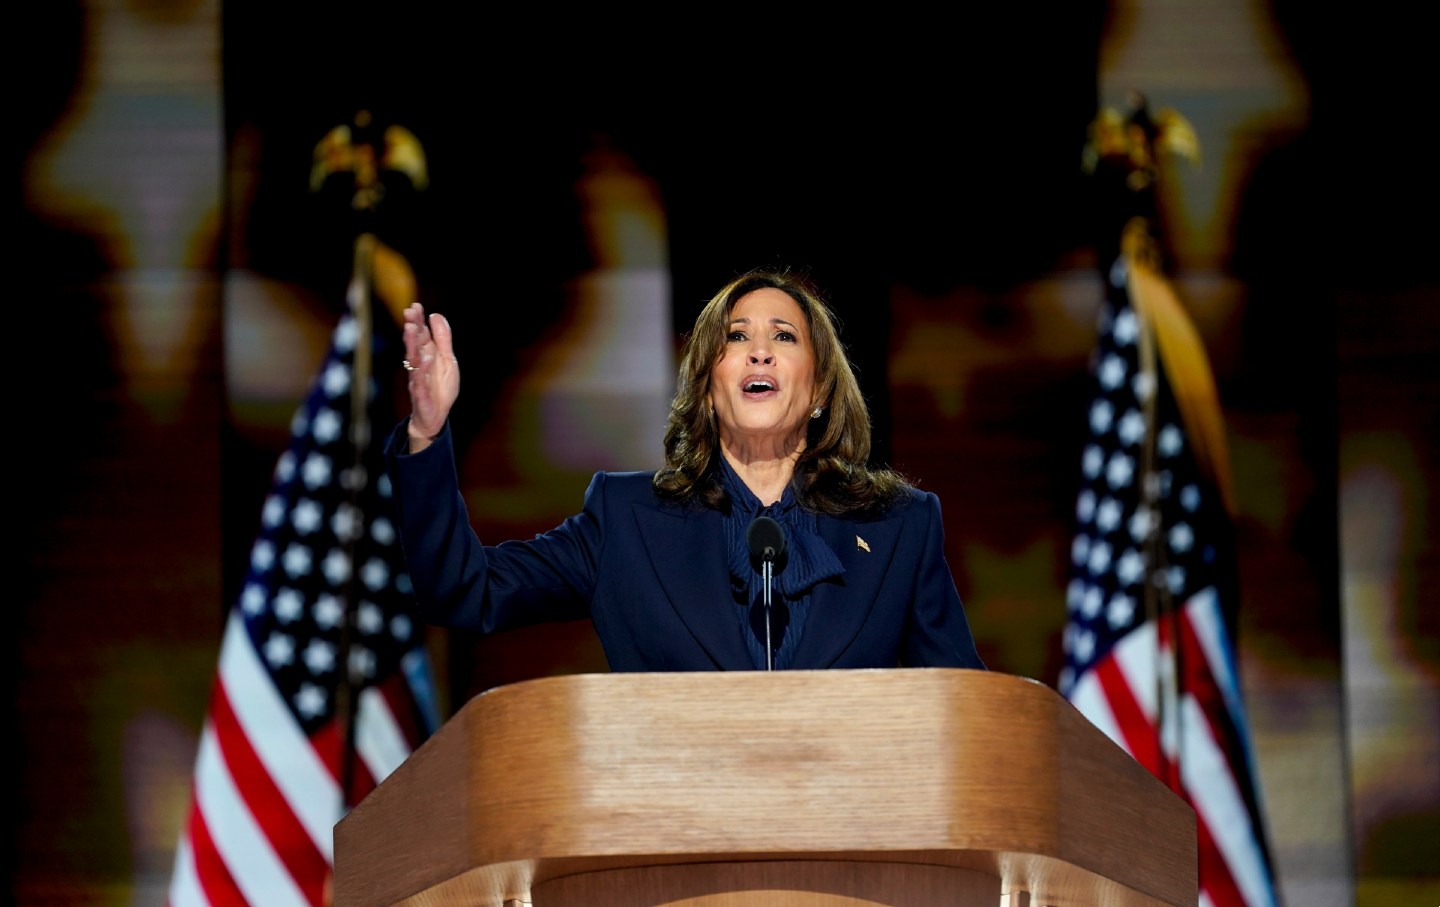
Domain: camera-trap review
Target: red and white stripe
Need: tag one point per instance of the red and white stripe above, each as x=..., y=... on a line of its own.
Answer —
x=1121, y=695
x=266, y=796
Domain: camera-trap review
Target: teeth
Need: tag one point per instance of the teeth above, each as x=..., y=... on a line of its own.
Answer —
x=757, y=386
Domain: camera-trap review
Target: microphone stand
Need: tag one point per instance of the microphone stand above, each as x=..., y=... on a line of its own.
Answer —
x=767, y=571
x=766, y=541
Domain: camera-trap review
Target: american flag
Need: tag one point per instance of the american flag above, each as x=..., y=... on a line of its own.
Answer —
x=287, y=747
x=1149, y=657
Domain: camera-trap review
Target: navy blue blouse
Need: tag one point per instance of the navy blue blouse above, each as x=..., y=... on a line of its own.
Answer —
x=810, y=561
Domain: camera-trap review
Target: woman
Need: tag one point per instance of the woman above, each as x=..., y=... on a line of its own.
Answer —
x=768, y=421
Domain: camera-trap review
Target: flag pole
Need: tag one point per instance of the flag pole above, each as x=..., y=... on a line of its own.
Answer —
x=1156, y=602
x=360, y=297
x=1139, y=250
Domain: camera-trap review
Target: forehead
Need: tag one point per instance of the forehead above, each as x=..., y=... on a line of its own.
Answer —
x=768, y=304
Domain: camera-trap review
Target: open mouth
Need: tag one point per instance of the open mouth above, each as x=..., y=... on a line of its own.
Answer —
x=758, y=387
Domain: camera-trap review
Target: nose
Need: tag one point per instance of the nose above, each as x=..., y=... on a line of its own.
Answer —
x=760, y=353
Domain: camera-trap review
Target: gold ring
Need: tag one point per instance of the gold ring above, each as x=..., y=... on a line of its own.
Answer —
x=408, y=366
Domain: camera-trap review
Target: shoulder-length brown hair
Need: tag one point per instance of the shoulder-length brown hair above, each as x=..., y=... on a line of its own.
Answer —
x=833, y=474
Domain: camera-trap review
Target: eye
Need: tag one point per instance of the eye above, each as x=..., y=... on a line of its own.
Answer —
x=786, y=337
x=736, y=337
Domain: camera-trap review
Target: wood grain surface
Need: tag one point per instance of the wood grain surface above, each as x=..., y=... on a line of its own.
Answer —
x=665, y=788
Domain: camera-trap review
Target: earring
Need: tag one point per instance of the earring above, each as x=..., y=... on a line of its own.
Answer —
x=815, y=413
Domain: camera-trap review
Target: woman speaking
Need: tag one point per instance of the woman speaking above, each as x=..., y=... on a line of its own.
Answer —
x=767, y=540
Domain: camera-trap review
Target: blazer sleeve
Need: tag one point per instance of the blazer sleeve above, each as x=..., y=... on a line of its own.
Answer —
x=938, y=634
x=461, y=582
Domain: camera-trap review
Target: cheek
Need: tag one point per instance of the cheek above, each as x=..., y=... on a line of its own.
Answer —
x=806, y=368
x=727, y=369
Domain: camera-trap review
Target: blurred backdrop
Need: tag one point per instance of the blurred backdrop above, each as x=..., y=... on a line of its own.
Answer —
x=590, y=179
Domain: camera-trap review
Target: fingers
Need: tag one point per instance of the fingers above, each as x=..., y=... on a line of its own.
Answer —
x=434, y=373
x=444, y=339
x=415, y=333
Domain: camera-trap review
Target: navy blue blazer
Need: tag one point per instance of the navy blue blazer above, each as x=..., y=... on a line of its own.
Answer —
x=653, y=576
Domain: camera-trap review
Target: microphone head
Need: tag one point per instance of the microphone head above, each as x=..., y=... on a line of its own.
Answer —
x=766, y=541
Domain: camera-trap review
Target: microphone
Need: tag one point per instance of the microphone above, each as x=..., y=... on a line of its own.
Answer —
x=768, y=557
x=767, y=544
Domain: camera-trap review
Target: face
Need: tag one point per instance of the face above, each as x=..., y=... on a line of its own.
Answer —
x=763, y=387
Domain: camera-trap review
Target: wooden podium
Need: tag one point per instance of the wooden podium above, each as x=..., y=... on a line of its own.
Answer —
x=905, y=787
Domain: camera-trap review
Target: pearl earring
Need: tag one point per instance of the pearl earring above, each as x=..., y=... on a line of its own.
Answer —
x=815, y=413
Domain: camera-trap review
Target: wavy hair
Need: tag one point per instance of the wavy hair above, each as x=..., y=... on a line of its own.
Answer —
x=833, y=474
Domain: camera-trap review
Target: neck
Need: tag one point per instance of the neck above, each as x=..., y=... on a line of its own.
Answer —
x=765, y=475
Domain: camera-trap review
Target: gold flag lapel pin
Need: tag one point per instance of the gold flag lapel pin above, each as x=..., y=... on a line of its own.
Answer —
x=861, y=544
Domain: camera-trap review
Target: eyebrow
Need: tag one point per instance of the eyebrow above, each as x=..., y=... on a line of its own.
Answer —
x=775, y=321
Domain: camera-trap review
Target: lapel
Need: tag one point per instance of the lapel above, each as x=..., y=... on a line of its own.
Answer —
x=687, y=553
x=839, y=608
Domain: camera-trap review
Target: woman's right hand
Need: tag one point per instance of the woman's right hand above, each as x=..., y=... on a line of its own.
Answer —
x=433, y=374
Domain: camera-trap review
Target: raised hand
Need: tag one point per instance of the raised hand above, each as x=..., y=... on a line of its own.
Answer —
x=434, y=374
